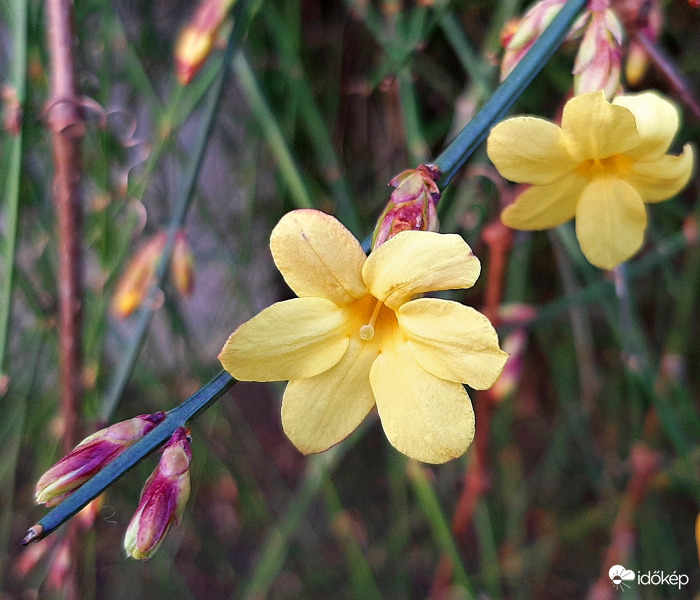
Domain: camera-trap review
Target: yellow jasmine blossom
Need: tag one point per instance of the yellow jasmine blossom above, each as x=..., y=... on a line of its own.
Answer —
x=601, y=166
x=355, y=337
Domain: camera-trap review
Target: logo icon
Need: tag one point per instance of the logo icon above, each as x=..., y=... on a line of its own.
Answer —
x=618, y=575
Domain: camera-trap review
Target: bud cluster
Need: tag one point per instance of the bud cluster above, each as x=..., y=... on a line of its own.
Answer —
x=137, y=278
x=412, y=206
x=164, y=495
x=597, y=65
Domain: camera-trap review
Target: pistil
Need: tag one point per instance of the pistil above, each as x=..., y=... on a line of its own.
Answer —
x=367, y=331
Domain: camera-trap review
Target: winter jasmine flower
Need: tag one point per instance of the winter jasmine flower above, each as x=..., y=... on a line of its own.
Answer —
x=358, y=336
x=601, y=166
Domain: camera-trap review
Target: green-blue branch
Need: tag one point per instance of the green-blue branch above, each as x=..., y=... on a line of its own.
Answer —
x=177, y=417
x=448, y=162
x=467, y=140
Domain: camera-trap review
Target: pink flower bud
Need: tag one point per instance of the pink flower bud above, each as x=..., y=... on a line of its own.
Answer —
x=597, y=65
x=163, y=499
x=413, y=204
x=197, y=38
x=515, y=344
x=529, y=28
x=91, y=455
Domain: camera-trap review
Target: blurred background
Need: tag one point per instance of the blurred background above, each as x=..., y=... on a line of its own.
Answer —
x=587, y=449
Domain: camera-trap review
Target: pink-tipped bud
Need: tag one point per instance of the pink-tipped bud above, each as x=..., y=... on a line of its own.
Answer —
x=597, y=65
x=182, y=265
x=12, y=119
x=197, y=38
x=514, y=344
x=91, y=455
x=527, y=30
x=163, y=499
x=136, y=279
x=412, y=206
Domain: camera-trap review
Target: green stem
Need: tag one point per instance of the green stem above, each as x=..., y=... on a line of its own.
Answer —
x=177, y=417
x=430, y=506
x=272, y=133
x=467, y=140
x=18, y=64
x=186, y=193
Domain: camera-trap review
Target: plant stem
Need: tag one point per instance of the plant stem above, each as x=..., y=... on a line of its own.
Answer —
x=177, y=417
x=18, y=77
x=467, y=140
x=67, y=129
x=184, y=199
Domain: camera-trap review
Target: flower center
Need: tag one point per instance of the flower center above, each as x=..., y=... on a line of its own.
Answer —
x=367, y=331
x=616, y=164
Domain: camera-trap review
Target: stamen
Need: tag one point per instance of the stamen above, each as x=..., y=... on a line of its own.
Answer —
x=367, y=331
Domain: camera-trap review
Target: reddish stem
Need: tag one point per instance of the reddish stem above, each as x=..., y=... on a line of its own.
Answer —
x=66, y=124
x=67, y=128
x=499, y=238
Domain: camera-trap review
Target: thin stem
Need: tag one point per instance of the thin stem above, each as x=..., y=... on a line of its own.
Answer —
x=467, y=140
x=184, y=199
x=18, y=13
x=177, y=417
x=67, y=129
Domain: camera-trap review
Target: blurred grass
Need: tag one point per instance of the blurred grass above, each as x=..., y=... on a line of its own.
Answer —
x=325, y=103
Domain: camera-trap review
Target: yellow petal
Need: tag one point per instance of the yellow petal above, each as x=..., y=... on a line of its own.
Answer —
x=289, y=340
x=414, y=262
x=426, y=418
x=323, y=410
x=657, y=123
x=452, y=341
x=594, y=128
x=662, y=178
x=610, y=222
x=545, y=206
x=529, y=150
x=318, y=257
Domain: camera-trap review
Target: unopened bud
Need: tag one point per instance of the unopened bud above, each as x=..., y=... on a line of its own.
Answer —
x=182, y=265
x=637, y=60
x=90, y=456
x=12, y=119
x=527, y=30
x=163, y=499
x=412, y=206
x=197, y=38
x=136, y=279
x=514, y=344
x=597, y=65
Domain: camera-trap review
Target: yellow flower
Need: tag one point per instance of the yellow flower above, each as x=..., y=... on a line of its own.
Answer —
x=601, y=166
x=355, y=337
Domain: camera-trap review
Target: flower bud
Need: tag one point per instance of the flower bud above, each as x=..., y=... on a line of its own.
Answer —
x=197, y=38
x=91, y=455
x=514, y=344
x=529, y=28
x=136, y=279
x=412, y=206
x=597, y=65
x=182, y=265
x=637, y=60
x=163, y=499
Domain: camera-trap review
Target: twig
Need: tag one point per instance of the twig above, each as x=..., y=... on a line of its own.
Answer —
x=67, y=129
